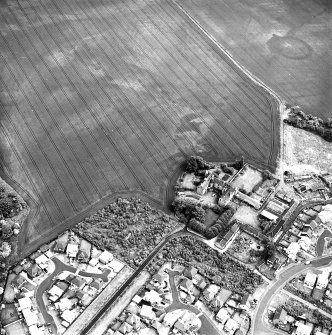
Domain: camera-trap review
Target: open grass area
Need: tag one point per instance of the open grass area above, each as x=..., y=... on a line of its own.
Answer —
x=104, y=96
x=247, y=215
x=247, y=180
x=284, y=43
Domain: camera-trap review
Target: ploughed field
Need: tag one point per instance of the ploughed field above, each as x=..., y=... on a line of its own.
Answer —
x=105, y=96
x=286, y=43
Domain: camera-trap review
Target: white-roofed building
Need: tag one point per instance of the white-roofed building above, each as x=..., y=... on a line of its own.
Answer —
x=72, y=250
x=326, y=214
x=147, y=312
x=268, y=215
x=42, y=261
x=105, y=257
x=310, y=279
x=63, y=304
x=304, y=243
x=153, y=297
x=55, y=291
x=93, y=261
x=303, y=329
x=292, y=250
x=68, y=316
x=222, y=316
x=116, y=265
x=24, y=303
x=231, y=325
x=34, y=330
x=30, y=317
x=322, y=280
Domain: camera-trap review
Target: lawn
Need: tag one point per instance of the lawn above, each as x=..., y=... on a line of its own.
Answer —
x=104, y=96
x=247, y=215
x=9, y=314
x=248, y=180
x=211, y=218
x=284, y=43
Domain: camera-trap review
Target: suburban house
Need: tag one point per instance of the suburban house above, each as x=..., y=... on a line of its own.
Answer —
x=190, y=272
x=245, y=302
x=186, y=285
x=293, y=250
x=322, y=280
x=72, y=250
x=310, y=279
x=105, y=257
x=231, y=326
x=222, y=297
x=60, y=246
x=280, y=318
x=222, y=316
x=303, y=329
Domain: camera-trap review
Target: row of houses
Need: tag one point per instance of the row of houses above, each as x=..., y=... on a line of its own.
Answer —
x=282, y=320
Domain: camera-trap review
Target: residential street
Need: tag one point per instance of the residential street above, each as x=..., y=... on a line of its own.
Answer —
x=207, y=328
x=44, y=287
x=259, y=326
x=48, y=282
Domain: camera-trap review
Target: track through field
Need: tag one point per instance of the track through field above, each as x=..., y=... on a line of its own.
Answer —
x=108, y=97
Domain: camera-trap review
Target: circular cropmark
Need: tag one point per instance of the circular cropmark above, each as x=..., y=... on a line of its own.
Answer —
x=289, y=47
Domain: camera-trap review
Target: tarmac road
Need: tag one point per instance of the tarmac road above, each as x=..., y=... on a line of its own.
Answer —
x=259, y=326
x=45, y=285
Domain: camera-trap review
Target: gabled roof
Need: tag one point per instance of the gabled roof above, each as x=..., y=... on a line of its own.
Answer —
x=96, y=283
x=190, y=272
x=186, y=284
x=60, y=245
x=78, y=281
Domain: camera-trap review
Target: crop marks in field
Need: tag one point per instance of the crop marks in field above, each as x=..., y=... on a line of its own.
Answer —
x=100, y=96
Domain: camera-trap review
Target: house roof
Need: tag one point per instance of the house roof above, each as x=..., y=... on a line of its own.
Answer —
x=280, y=315
x=78, y=281
x=245, y=299
x=60, y=245
x=80, y=294
x=190, y=272
x=33, y=270
x=269, y=215
x=96, y=283
x=303, y=329
x=186, y=284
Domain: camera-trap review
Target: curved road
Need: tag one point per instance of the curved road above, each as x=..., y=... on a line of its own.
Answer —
x=259, y=326
x=47, y=283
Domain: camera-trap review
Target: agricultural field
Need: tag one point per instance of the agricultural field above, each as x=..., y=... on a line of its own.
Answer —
x=101, y=98
x=286, y=44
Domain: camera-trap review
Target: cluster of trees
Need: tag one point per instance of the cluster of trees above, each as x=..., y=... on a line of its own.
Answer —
x=130, y=228
x=10, y=204
x=299, y=119
x=188, y=208
x=221, y=224
x=216, y=267
x=196, y=163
